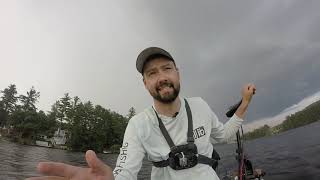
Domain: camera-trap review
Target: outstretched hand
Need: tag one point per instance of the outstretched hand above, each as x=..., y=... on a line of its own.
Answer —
x=97, y=170
x=248, y=91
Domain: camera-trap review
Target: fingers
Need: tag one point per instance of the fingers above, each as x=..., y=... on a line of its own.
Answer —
x=47, y=178
x=248, y=91
x=251, y=88
x=96, y=164
x=56, y=169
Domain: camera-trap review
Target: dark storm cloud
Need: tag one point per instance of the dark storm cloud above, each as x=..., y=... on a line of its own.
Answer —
x=91, y=46
x=221, y=45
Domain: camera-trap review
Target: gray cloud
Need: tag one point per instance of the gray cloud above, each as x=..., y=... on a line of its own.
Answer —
x=221, y=45
x=89, y=49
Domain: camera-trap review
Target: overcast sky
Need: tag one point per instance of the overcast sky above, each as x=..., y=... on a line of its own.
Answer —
x=89, y=48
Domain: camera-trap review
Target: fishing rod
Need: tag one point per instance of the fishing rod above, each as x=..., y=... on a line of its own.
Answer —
x=245, y=169
x=239, y=151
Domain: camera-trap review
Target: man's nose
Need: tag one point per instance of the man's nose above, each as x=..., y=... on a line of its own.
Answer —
x=162, y=78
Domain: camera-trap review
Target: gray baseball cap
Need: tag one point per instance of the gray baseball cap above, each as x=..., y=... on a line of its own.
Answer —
x=144, y=56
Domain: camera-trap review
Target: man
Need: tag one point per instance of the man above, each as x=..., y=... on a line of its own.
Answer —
x=145, y=136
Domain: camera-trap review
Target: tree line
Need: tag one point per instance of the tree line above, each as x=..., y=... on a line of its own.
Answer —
x=306, y=116
x=89, y=126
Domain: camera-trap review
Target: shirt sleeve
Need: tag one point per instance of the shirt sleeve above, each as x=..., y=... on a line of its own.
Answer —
x=223, y=132
x=131, y=155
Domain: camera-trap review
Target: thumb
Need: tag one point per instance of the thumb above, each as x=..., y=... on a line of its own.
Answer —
x=96, y=164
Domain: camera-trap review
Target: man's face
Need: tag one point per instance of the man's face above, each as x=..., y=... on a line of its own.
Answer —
x=162, y=79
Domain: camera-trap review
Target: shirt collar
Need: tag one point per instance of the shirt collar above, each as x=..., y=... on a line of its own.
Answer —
x=166, y=118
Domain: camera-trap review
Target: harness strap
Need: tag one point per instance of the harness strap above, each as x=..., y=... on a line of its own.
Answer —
x=201, y=159
x=165, y=133
x=190, y=139
x=159, y=164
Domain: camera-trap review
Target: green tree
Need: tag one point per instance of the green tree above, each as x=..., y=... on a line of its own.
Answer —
x=74, y=105
x=89, y=126
x=131, y=113
x=260, y=132
x=118, y=126
x=308, y=115
x=28, y=101
x=81, y=127
x=63, y=108
x=51, y=124
x=29, y=124
x=94, y=127
x=8, y=103
x=102, y=126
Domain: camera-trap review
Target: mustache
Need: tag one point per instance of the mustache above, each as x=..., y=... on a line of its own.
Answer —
x=164, y=84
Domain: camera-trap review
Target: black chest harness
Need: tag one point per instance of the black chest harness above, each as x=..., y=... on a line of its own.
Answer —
x=185, y=156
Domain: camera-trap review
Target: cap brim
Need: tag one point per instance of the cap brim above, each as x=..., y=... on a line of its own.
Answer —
x=146, y=53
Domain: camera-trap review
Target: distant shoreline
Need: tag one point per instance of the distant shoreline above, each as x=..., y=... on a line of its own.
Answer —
x=266, y=131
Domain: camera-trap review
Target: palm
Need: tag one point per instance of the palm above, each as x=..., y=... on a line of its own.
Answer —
x=89, y=173
x=59, y=171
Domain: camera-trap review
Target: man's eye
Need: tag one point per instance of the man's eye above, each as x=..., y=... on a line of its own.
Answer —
x=151, y=73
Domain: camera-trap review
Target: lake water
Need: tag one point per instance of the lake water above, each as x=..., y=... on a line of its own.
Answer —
x=294, y=154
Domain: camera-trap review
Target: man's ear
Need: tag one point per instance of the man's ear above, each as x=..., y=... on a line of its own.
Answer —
x=178, y=72
x=144, y=81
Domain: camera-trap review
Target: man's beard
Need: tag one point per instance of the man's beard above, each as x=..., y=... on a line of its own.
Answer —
x=166, y=99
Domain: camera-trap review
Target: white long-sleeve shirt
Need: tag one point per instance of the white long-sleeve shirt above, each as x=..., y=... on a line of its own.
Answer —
x=143, y=137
